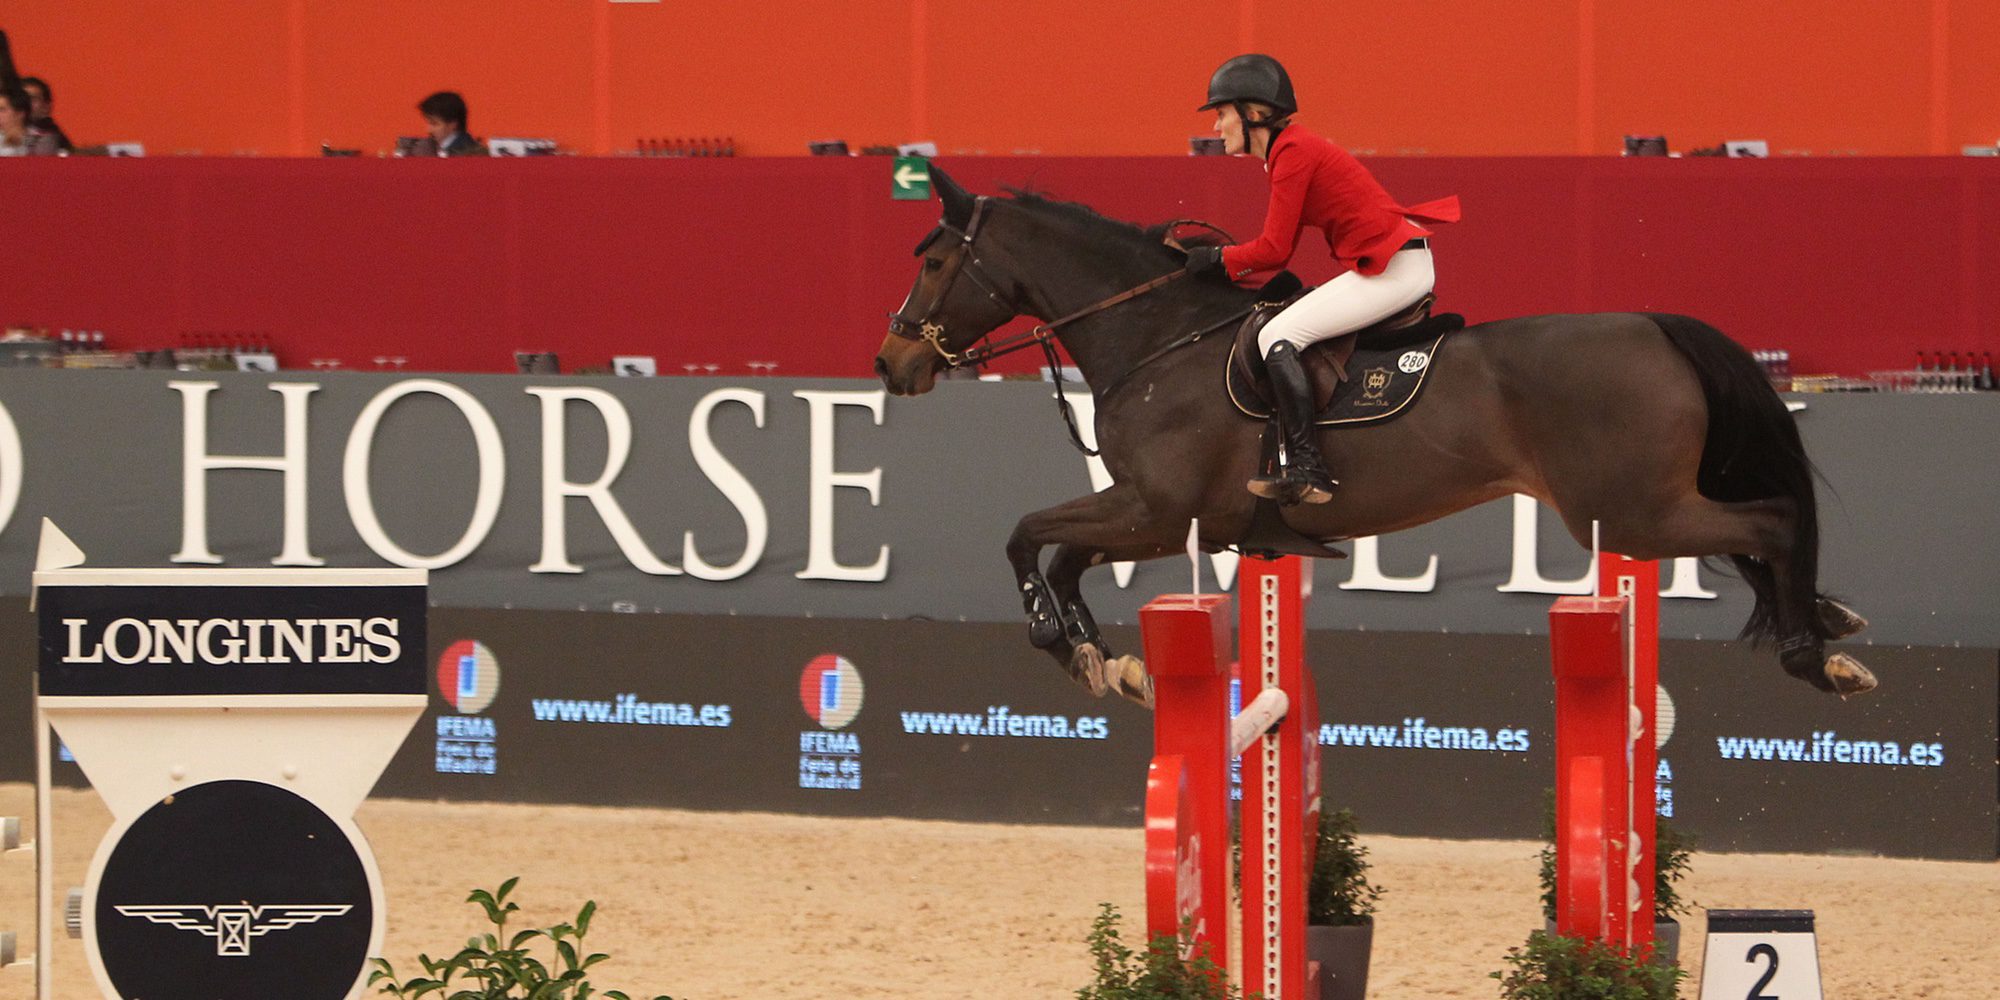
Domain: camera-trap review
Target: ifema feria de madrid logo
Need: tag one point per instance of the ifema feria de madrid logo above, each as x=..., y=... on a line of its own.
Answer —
x=830, y=690
x=468, y=676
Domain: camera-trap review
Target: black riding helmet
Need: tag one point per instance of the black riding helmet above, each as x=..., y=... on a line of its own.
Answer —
x=1254, y=77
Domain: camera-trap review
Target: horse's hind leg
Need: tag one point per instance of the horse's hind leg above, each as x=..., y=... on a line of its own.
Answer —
x=1802, y=646
x=1759, y=533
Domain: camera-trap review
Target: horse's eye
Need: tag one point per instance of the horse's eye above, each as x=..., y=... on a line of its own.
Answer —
x=932, y=264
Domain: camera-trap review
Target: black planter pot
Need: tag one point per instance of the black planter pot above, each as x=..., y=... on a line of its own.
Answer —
x=1342, y=954
x=1667, y=942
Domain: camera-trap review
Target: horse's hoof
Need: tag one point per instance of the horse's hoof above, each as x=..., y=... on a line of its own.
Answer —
x=1839, y=620
x=1087, y=666
x=1129, y=676
x=1848, y=676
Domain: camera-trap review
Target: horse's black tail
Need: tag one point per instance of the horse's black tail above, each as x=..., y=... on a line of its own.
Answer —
x=1753, y=452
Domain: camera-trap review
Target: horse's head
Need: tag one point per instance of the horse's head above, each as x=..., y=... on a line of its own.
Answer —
x=966, y=288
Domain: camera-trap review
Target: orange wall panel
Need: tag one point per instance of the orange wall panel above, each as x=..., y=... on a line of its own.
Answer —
x=773, y=75
x=179, y=76
x=525, y=68
x=1467, y=77
x=1802, y=74
x=1061, y=77
x=1972, y=74
x=1440, y=77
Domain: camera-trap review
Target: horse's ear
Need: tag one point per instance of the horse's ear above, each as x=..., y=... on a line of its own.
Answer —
x=958, y=202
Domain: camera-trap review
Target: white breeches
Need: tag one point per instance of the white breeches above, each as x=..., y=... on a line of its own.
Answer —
x=1352, y=302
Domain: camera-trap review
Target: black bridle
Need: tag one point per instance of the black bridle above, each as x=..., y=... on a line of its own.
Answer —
x=964, y=260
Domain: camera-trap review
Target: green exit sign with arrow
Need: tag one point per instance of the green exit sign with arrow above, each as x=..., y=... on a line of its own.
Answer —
x=912, y=179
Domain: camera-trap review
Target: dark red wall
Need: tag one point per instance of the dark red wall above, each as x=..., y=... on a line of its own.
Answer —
x=1852, y=264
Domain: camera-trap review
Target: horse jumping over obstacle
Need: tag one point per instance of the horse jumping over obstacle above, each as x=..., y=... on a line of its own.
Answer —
x=1605, y=657
x=1657, y=426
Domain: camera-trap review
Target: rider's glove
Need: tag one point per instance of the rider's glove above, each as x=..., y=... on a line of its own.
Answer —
x=1202, y=259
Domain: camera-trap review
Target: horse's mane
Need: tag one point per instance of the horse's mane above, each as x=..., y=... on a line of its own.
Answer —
x=1109, y=233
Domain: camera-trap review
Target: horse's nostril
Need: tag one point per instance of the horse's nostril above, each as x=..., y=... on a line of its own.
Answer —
x=881, y=367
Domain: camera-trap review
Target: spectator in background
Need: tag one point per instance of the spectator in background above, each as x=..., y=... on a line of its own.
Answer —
x=444, y=112
x=42, y=117
x=17, y=137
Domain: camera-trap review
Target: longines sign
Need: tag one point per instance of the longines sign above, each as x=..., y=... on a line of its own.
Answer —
x=803, y=497
x=195, y=639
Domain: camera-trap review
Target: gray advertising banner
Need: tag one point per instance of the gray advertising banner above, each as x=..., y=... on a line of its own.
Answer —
x=786, y=497
x=791, y=595
x=1422, y=734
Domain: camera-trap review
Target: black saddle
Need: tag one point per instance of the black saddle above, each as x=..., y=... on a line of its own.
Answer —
x=1363, y=377
x=1357, y=378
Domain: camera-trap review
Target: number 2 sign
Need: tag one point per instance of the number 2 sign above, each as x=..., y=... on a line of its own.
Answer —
x=1760, y=955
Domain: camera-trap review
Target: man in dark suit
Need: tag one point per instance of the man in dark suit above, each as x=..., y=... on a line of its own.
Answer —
x=445, y=115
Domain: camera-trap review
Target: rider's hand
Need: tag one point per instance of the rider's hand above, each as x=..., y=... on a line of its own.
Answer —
x=1202, y=259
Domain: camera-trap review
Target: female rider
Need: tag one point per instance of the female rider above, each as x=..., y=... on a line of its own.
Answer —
x=1379, y=244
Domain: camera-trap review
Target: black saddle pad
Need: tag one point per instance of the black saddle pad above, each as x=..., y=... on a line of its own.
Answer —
x=1384, y=376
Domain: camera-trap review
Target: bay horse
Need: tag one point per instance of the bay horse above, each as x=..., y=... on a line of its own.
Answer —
x=1657, y=428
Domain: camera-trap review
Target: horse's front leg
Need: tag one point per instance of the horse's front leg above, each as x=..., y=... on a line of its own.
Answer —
x=1087, y=528
x=1091, y=662
x=1038, y=599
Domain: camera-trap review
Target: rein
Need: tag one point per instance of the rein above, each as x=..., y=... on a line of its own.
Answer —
x=1044, y=333
x=1185, y=340
x=964, y=261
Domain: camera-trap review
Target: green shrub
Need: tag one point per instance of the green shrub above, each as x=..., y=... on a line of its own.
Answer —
x=1673, y=850
x=1158, y=974
x=1551, y=967
x=487, y=970
x=1338, y=892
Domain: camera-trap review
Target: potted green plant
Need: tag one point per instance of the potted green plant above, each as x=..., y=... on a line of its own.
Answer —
x=1340, y=909
x=1160, y=973
x=1552, y=967
x=497, y=966
x=1673, y=848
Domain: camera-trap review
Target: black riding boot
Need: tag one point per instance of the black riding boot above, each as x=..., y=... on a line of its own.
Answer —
x=1302, y=478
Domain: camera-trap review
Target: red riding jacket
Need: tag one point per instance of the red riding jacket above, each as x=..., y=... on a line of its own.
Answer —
x=1316, y=183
